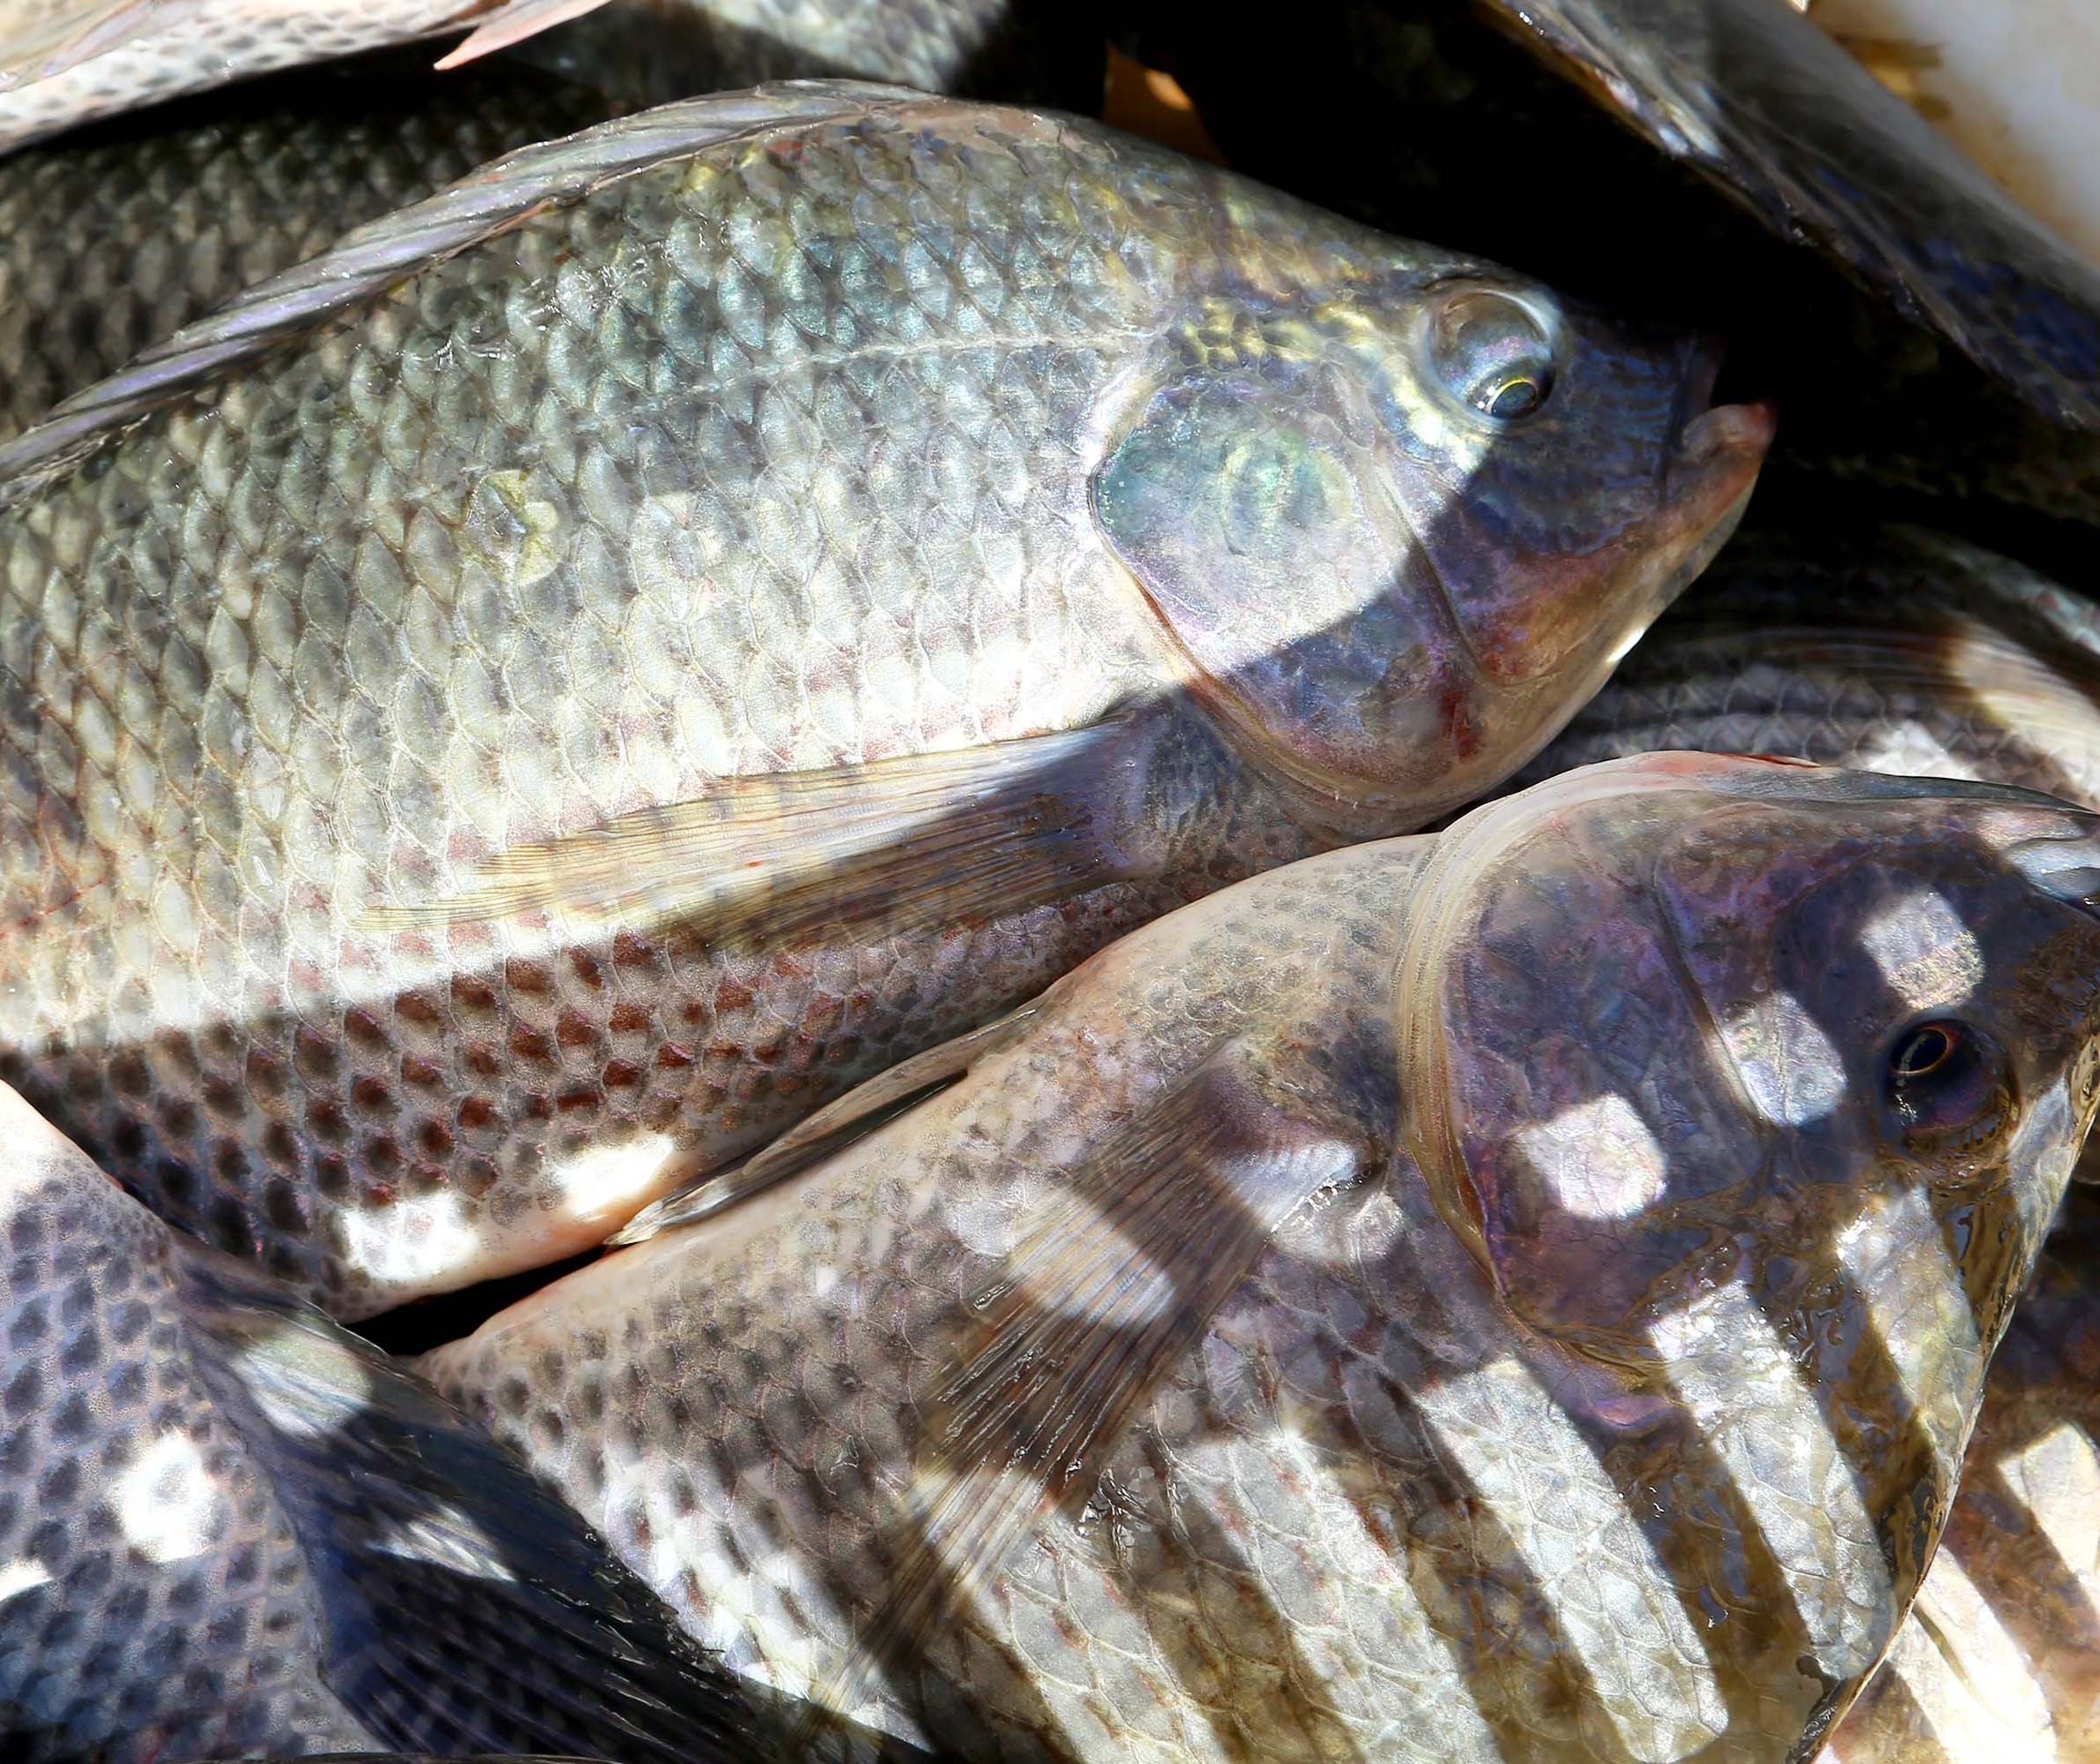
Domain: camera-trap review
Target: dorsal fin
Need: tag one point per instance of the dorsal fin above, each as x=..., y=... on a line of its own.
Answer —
x=365, y=263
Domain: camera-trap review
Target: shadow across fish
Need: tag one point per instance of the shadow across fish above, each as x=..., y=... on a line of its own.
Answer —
x=1518, y=1293
x=517, y=712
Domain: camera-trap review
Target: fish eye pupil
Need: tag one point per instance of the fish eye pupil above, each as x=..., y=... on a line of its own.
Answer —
x=1516, y=397
x=1950, y=1089
x=1923, y=1050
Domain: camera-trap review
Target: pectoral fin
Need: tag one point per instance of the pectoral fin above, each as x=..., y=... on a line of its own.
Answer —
x=937, y=838
x=1118, y=1277
x=853, y=1115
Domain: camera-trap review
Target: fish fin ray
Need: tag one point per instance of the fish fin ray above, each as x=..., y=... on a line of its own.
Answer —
x=374, y=257
x=425, y=1537
x=1114, y=1281
x=40, y=48
x=513, y=24
x=831, y=1128
x=983, y=831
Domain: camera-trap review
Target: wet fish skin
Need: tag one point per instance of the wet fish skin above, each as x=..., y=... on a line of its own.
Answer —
x=67, y=62
x=1992, y=672
x=113, y=239
x=1360, y=1315
x=1012, y=51
x=1891, y=648
x=1769, y=107
x=2008, y=1661
x=486, y=758
x=227, y=1526
x=63, y=63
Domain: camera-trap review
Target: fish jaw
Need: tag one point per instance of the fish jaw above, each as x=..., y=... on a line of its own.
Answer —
x=1690, y=1187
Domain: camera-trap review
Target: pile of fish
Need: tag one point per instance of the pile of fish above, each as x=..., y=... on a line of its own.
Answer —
x=841, y=919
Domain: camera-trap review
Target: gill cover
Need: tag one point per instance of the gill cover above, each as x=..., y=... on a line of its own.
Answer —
x=1253, y=501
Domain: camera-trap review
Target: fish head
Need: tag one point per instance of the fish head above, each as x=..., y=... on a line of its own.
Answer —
x=1684, y=1023
x=1399, y=533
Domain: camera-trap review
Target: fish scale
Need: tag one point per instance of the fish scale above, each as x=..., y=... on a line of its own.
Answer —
x=1386, y=1490
x=230, y=1528
x=443, y=771
x=171, y=48
x=111, y=242
x=436, y=786
x=1988, y=679
x=97, y=1367
x=2001, y=1654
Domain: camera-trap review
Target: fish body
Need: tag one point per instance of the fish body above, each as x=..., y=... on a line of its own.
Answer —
x=1015, y=51
x=67, y=62
x=1992, y=673
x=1757, y=99
x=112, y=240
x=1894, y=649
x=2001, y=1658
x=2017, y=115
x=63, y=63
x=230, y=1529
x=522, y=709
x=1461, y=1298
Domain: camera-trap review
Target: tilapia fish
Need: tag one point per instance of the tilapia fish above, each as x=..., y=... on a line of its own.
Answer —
x=1417, y=113
x=228, y=1529
x=1757, y=98
x=528, y=705
x=1910, y=652
x=1891, y=648
x=1019, y=51
x=66, y=62
x=110, y=241
x=1516, y=1295
x=2001, y=1659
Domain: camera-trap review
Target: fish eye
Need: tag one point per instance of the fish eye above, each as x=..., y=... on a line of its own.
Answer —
x=1491, y=353
x=1948, y=1086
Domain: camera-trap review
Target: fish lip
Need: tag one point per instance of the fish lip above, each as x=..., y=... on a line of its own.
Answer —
x=1704, y=431
x=1743, y=429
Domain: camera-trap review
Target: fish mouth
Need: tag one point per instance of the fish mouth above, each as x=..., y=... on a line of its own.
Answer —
x=1725, y=444
x=1728, y=430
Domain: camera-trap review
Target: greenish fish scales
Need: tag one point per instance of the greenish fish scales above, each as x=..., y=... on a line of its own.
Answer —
x=113, y=241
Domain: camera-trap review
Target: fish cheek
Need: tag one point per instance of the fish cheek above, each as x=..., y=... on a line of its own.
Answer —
x=1254, y=509
x=1606, y=1152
